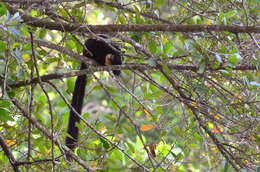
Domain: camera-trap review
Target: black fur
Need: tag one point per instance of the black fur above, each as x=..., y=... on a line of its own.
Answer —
x=99, y=50
x=76, y=103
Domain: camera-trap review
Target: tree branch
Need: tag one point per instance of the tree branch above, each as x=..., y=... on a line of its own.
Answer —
x=35, y=1
x=9, y=154
x=142, y=67
x=75, y=27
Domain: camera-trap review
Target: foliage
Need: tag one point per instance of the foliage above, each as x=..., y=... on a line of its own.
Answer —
x=186, y=101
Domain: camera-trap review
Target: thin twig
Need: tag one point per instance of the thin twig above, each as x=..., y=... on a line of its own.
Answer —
x=9, y=154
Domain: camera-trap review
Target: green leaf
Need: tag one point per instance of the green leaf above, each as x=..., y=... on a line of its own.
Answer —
x=51, y=60
x=202, y=67
x=228, y=71
x=257, y=137
x=2, y=46
x=35, y=13
x=4, y=115
x=167, y=47
x=202, y=87
x=107, y=7
x=70, y=85
x=4, y=104
x=130, y=146
x=152, y=47
x=3, y=9
x=18, y=56
x=11, y=94
x=178, y=131
x=114, y=105
x=86, y=116
x=105, y=143
x=25, y=31
x=220, y=17
x=127, y=128
x=165, y=67
x=139, y=143
x=197, y=136
x=179, y=157
x=111, y=117
x=137, y=10
x=80, y=4
x=83, y=154
x=194, y=146
x=42, y=33
x=135, y=36
x=158, y=3
x=66, y=117
x=111, y=89
x=233, y=59
x=78, y=46
x=230, y=14
x=122, y=19
x=70, y=44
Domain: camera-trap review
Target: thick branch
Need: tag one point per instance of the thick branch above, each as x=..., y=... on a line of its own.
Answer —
x=35, y=1
x=141, y=67
x=74, y=27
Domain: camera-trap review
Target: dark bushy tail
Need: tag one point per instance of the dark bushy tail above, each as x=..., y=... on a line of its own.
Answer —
x=76, y=103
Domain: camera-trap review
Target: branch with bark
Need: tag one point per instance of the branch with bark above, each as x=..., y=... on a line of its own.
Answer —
x=111, y=28
x=9, y=154
x=139, y=67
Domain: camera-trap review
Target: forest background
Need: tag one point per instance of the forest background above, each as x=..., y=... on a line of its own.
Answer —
x=187, y=100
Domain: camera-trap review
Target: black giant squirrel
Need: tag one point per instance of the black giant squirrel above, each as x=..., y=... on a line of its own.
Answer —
x=104, y=55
